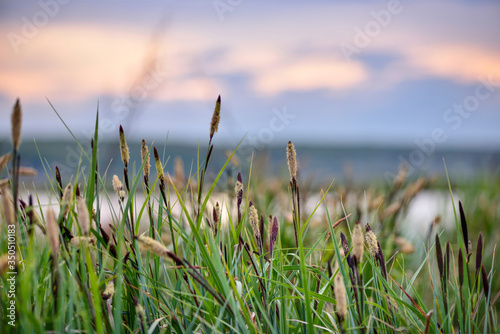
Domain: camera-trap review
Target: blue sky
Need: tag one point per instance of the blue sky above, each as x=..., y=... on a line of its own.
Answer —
x=372, y=73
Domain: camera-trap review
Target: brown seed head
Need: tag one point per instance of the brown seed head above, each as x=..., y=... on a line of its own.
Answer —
x=83, y=216
x=216, y=217
x=214, y=124
x=150, y=244
x=274, y=234
x=8, y=206
x=4, y=264
x=159, y=167
x=357, y=242
x=371, y=240
x=401, y=177
x=124, y=147
x=82, y=241
x=179, y=170
x=340, y=296
x=145, y=156
x=16, y=120
x=67, y=199
x=291, y=157
x=109, y=291
x=405, y=246
x=254, y=221
x=52, y=231
x=118, y=187
x=27, y=171
x=4, y=159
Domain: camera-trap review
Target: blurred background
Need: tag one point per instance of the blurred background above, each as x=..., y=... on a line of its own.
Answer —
x=359, y=88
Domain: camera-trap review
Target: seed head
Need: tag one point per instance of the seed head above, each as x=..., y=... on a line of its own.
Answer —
x=179, y=169
x=214, y=124
x=81, y=241
x=118, y=187
x=8, y=206
x=357, y=242
x=27, y=171
x=479, y=252
x=4, y=264
x=486, y=285
x=401, y=177
x=16, y=120
x=405, y=246
x=340, y=296
x=145, y=156
x=463, y=222
x=53, y=232
x=460, y=267
x=291, y=157
x=371, y=240
x=109, y=291
x=4, y=159
x=67, y=199
x=159, y=167
x=83, y=216
x=216, y=217
x=254, y=221
x=150, y=244
x=124, y=147
x=274, y=234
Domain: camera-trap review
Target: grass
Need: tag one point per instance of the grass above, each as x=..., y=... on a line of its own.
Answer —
x=176, y=260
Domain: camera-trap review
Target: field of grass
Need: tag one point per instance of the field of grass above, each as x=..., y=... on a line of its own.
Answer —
x=222, y=251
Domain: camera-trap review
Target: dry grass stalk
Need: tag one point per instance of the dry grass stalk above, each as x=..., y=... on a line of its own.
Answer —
x=153, y=246
x=4, y=159
x=291, y=157
x=214, y=124
x=83, y=216
x=52, y=231
x=145, y=156
x=16, y=120
x=357, y=242
x=4, y=182
x=124, y=151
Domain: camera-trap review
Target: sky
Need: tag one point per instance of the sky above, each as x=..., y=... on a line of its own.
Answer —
x=315, y=72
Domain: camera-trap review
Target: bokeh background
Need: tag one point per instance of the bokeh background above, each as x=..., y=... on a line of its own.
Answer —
x=367, y=85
